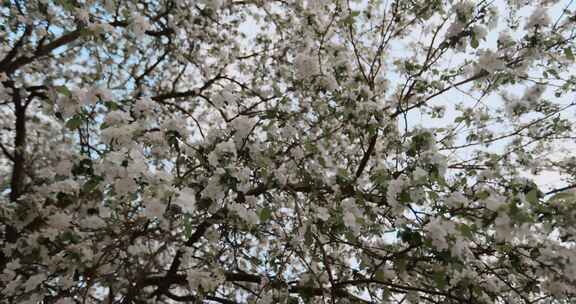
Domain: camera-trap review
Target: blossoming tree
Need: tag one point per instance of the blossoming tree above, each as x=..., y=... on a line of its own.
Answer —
x=286, y=151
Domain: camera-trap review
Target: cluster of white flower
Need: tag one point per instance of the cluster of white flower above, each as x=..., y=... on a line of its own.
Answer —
x=490, y=61
x=305, y=64
x=494, y=201
x=505, y=41
x=186, y=200
x=480, y=32
x=117, y=118
x=533, y=94
x=457, y=200
x=395, y=187
x=139, y=25
x=207, y=280
x=214, y=190
x=538, y=19
x=60, y=220
x=248, y=215
x=464, y=10
x=351, y=214
x=438, y=230
x=85, y=96
x=243, y=126
x=144, y=106
x=515, y=106
x=153, y=208
x=65, y=186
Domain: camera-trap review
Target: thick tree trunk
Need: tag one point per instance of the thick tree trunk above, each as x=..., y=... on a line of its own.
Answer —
x=18, y=166
x=18, y=174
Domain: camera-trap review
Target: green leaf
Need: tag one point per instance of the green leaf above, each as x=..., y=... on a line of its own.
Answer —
x=404, y=197
x=83, y=167
x=400, y=264
x=568, y=53
x=293, y=300
x=70, y=237
x=265, y=214
x=474, y=42
x=74, y=122
x=465, y=230
x=440, y=279
x=112, y=106
x=188, y=227
x=482, y=195
x=308, y=237
x=349, y=20
x=411, y=237
x=172, y=138
x=66, y=4
x=380, y=276
x=438, y=178
x=553, y=72
x=63, y=90
x=563, y=196
x=515, y=260
x=85, y=32
x=532, y=196
x=91, y=184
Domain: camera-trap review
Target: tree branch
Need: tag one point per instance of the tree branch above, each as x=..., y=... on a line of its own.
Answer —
x=10, y=67
x=6, y=152
x=367, y=154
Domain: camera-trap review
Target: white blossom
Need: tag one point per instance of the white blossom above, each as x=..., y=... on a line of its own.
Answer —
x=60, y=220
x=490, y=61
x=34, y=281
x=539, y=18
x=187, y=200
x=305, y=65
x=140, y=24
x=153, y=208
